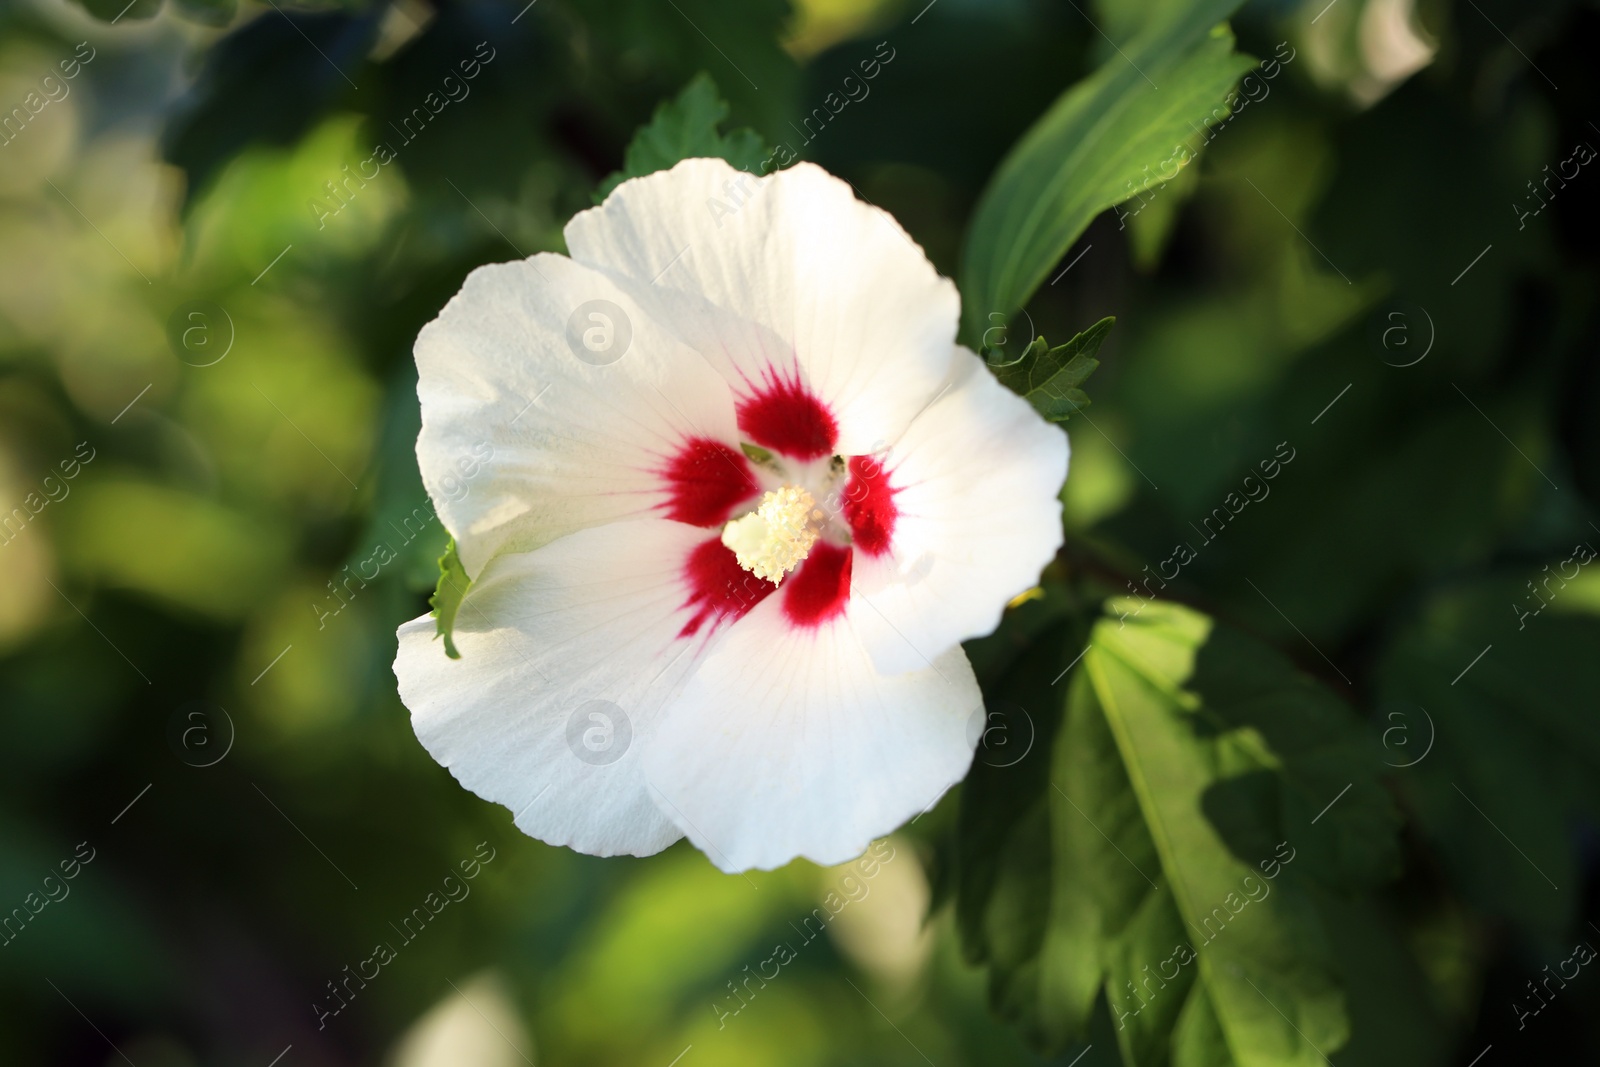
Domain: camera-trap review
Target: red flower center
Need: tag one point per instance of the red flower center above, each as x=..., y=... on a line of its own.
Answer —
x=710, y=483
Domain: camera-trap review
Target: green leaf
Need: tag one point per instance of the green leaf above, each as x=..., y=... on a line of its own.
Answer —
x=1276, y=960
x=1123, y=130
x=686, y=128
x=447, y=597
x=1095, y=825
x=1174, y=848
x=1049, y=377
x=1002, y=868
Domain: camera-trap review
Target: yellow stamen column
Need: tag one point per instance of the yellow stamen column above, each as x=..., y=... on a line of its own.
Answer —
x=773, y=539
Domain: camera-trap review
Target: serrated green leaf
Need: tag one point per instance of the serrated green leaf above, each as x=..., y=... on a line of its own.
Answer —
x=447, y=597
x=1049, y=378
x=1189, y=761
x=1254, y=957
x=1123, y=130
x=686, y=127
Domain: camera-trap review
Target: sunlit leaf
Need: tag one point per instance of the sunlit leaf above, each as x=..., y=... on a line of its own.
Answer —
x=1122, y=130
x=1168, y=852
x=446, y=599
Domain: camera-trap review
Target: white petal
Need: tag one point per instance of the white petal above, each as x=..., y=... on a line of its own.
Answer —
x=976, y=481
x=522, y=440
x=801, y=281
x=598, y=615
x=788, y=743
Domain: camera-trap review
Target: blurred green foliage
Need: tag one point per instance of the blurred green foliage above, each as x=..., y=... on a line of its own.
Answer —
x=210, y=279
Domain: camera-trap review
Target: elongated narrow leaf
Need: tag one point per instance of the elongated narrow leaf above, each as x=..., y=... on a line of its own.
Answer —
x=1121, y=131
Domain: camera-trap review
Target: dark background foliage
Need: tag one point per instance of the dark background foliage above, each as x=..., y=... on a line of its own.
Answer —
x=1365, y=268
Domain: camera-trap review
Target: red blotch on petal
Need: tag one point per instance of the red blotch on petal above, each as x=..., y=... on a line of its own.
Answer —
x=719, y=589
x=784, y=416
x=869, y=505
x=706, y=480
x=819, y=588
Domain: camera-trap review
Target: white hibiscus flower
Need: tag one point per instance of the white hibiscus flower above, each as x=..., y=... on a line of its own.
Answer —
x=746, y=498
